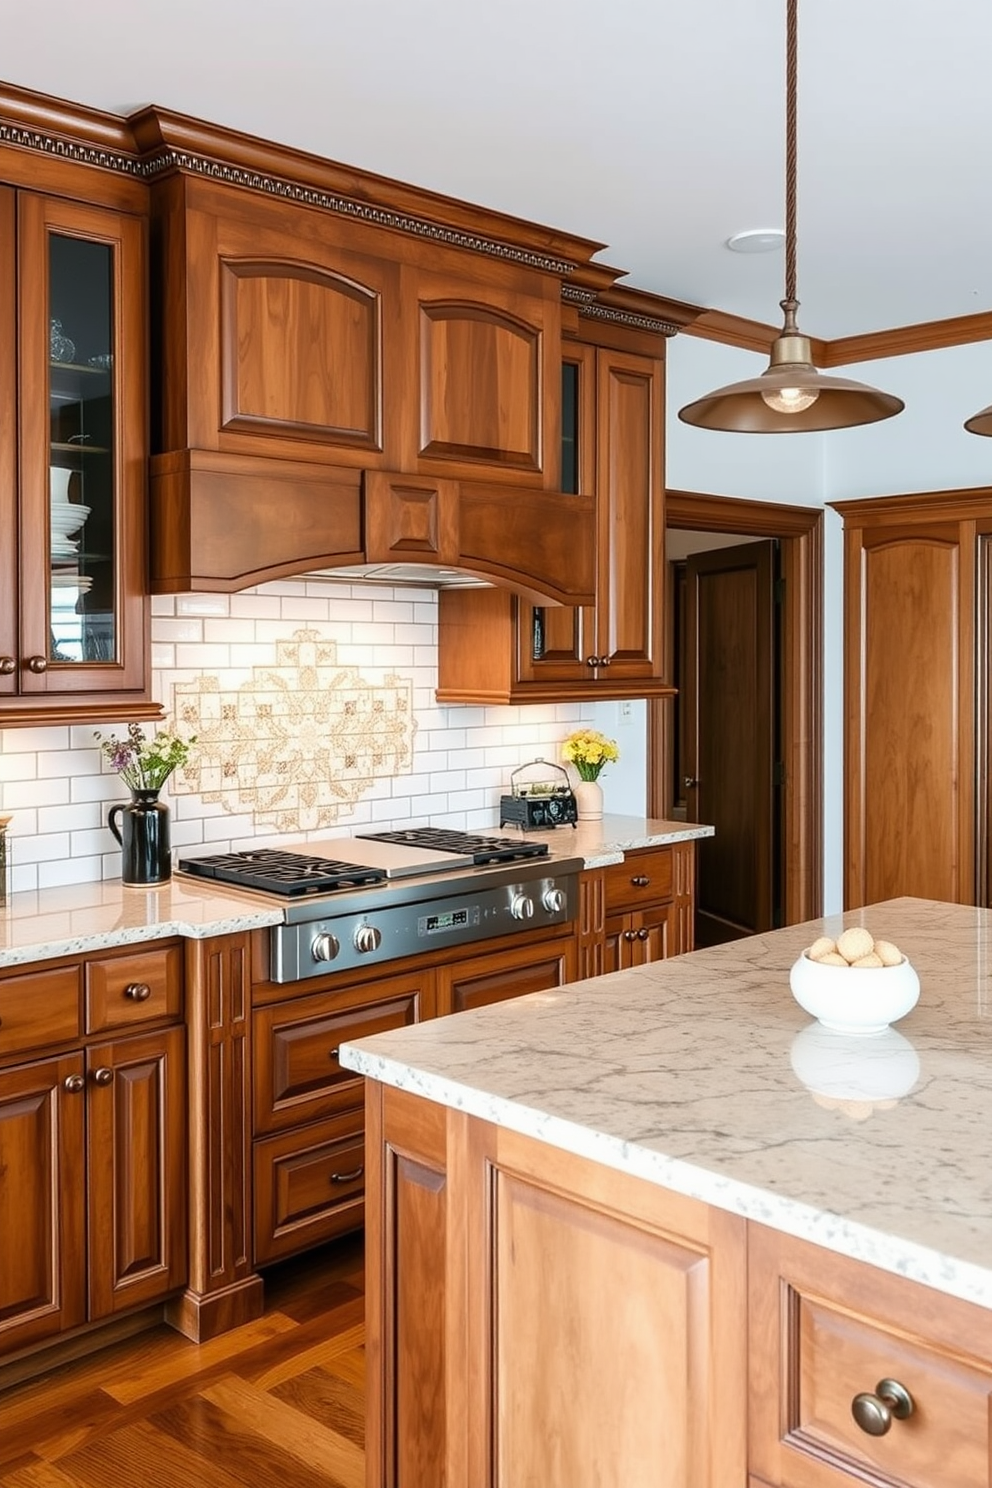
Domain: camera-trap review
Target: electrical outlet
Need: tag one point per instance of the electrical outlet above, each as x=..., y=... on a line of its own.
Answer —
x=626, y=710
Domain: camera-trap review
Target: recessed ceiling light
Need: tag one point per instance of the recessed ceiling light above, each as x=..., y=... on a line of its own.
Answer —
x=757, y=240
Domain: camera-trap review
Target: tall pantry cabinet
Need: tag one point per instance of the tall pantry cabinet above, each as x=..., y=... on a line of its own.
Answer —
x=917, y=629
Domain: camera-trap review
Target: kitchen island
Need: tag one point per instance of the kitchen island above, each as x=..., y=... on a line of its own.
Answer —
x=653, y=1228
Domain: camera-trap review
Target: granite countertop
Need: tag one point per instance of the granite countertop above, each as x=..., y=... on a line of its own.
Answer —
x=41, y=924
x=702, y=1074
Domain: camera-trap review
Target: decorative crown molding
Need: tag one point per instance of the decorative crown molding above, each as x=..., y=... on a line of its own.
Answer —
x=78, y=151
x=629, y=318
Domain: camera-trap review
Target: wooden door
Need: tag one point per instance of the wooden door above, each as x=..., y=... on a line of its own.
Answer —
x=729, y=708
x=137, y=1170
x=42, y=1197
x=909, y=751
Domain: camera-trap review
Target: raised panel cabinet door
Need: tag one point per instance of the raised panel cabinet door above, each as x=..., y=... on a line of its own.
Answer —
x=83, y=445
x=136, y=1092
x=654, y=930
x=909, y=819
x=606, y=1324
x=630, y=497
x=499, y=975
x=617, y=938
x=42, y=1200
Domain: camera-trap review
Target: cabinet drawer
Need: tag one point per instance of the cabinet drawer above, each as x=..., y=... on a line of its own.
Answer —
x=41, y=1007
x=644, y=877
x=309, y=1186
x=124, y=990
x=297, y=1074
x=825, y=1330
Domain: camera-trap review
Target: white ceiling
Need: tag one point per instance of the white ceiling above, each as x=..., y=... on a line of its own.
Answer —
x=651, y=126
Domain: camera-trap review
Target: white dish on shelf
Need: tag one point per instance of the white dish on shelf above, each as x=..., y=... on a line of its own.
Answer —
x=67, y=518
x=67, y=579
x=58, y=484
x=64, y=547
x=854, y=999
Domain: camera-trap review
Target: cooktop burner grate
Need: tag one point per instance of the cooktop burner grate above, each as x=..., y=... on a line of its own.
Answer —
x=481, y=849
x=282, y=872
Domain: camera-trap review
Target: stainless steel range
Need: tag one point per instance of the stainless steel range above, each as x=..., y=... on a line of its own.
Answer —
x=355, y=901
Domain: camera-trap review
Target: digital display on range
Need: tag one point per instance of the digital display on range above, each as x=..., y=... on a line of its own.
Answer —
x=450, y=919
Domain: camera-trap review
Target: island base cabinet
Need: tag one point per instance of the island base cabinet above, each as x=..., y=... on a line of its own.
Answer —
x=831, y=1337
x=538, y=1319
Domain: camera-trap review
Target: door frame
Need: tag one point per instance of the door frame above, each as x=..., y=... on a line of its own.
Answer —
x=799, y=530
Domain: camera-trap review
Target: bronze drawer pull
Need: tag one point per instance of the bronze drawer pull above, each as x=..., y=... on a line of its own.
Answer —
x=138, y=991
x=640, y=881
x=335, y=1052
x=643, y=934
x=875, y=1413
x=348, y=1177
x=103, y=1076
x=73, y=1083
x=630, y=935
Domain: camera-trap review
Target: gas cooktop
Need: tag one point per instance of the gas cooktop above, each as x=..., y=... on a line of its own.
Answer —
x=278, y=872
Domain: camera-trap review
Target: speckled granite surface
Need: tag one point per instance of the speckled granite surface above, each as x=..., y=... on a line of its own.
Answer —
x=704, y=1075
x=45, y=923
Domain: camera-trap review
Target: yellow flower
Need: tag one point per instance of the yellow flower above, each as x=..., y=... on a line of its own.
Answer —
x=588, y=750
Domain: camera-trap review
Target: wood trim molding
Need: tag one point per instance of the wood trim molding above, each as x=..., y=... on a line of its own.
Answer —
x=931, y=335
x=800, y=531
x=970, y=503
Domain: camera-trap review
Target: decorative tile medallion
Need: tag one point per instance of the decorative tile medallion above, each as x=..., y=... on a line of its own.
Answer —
x=300, y=741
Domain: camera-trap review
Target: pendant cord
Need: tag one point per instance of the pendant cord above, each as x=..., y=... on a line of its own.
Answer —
x=791, y=70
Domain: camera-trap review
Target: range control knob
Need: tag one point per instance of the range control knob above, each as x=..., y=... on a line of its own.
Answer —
x=553, y=900
x=521, y=908
x=325, y=947
x=367, y=938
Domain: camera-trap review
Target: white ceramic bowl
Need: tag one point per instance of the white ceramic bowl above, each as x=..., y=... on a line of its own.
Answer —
x=854, y=999
x=68, y=518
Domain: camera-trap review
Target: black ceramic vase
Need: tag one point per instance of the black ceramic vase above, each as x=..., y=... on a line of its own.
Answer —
x=143, y=834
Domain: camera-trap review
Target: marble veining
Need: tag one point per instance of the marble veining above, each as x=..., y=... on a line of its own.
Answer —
x=681, y=1072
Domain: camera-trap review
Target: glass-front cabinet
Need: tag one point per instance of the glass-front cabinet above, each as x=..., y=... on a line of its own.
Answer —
x=80, y=631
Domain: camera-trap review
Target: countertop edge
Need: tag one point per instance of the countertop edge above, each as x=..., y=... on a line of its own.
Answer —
x=901, y=1257
x=73, y=945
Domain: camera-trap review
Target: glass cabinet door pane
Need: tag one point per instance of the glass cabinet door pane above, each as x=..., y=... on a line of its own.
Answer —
x=83, y=538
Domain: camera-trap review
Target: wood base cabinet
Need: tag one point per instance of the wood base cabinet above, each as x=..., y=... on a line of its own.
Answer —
x=535, y=1318
x=92, y=1149
x=637, y=911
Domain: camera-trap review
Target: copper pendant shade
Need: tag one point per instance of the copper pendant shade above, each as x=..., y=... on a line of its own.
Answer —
x=791, y=396
x=980, y=423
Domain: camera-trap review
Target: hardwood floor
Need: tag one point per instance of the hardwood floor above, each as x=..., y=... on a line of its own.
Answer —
x=279, y=1402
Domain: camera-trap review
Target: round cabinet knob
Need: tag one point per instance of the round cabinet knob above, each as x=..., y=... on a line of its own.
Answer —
x=73, y=1083
x=103, y=1076
x=325, y=947
x=592, y=661
x=643, y=934
x=875, y=1413
x=8, y=666
x=367, y=938
x=37, y=664
x=138, y=991
x=690, y=782
x=630, y=935
x=521, y=908
x=604, y=660
x=553, y=900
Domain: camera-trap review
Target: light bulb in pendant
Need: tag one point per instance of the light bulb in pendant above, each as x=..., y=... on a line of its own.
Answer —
x=790, y=399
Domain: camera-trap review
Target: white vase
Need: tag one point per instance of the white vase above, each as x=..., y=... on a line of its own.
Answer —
x=589, y=800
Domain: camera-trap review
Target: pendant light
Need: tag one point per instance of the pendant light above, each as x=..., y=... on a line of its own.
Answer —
x=980, y=423
x=790, y=396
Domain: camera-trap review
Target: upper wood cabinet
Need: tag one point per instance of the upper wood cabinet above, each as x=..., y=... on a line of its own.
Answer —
x=334, y=393
x=74, y=436
x=496, y=647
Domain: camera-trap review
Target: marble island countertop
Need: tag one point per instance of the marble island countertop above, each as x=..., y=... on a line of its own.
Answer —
x=702, y=1074
x=41, y=924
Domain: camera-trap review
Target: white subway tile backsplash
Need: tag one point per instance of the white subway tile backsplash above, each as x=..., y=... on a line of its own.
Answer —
x=53, y=781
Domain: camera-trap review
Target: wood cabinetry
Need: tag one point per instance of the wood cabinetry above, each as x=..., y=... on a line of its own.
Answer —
x=637, y=911
x=74, y=420
x=497, y=975
x=494, y=646
x=92, y=1143
x=916, y=656
x=486, y=1246
x=832, y=1341
x=334, y=393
